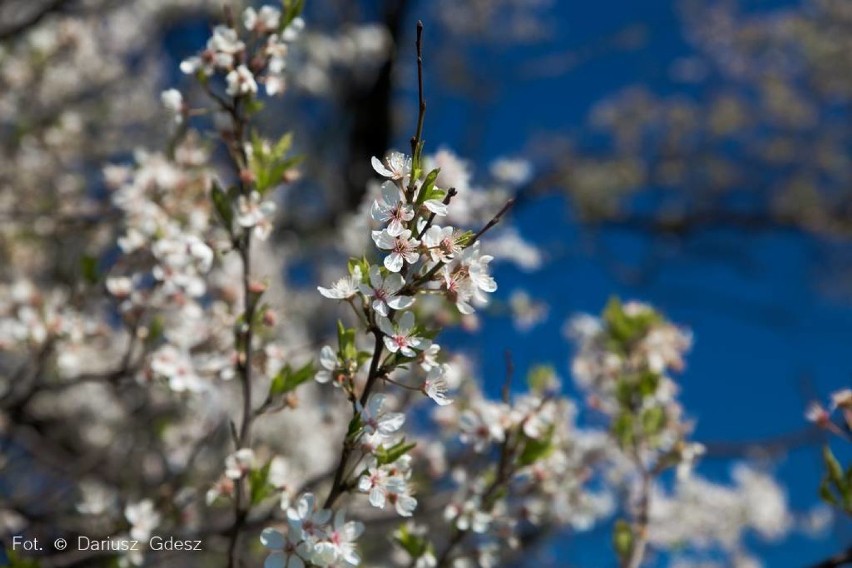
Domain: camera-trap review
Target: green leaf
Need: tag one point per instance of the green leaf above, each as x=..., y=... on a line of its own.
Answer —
x=346, y=342
x=284, y=144
x=155, y=330
x=536, y=449
x=464, y=239
x=354, y=427
x=428, y=186
x=288, y=379
x=223, y=203
x=622, y=429
x=541, y=378
x=389, y=455
x=648, y=383
x=832, y=466
x=622, y=538
x=253, y=106
x=626, y=328
x=826, y=494
x=416, y=546
x=259, y=483
x=291, y=9
x=653, y=420
x=89, y=269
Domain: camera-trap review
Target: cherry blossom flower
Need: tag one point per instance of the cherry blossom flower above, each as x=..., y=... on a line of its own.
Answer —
x=817, y=414
x=264, y=21
x=143, y=519
x=330, y=366
x=305, y=520
x=344, y=288
x=226, y=41
x=374, y=420
x=403, y=502
x=383, y=291
x=689, y=454
x=292, y=32
x=437, y=207
x=222, y=46
x=241, y=82
x=175, y=366
x=119, y=286
x=392, y=209
x=458, y=288
x=254, y=214
x=287, y=551
x=442, y=242
x=428, y=358
x=403, y=248
x=378, y=483
x=279, y=478
x=340, y=544
x=435, y=386
x=482, y=426
x=397, y=165
x=238, y=464
x=173, y=101
x=841, y=399
x=468, y=515
x=399, y=336
x=476, y=264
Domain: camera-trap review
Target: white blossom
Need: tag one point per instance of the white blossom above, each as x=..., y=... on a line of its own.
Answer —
x=239, y=463
x=396, y=166
x=287, y=551
x=384, y=290
x=392, y=209
x=252, y=213
x=435, y=386
x=241, y=82
x=329, y=366
x=400, y=336
x=173, y=101
x=143, y=519
x=376, y=421
x=344, y=288
x=264, y=21
x=403, y=248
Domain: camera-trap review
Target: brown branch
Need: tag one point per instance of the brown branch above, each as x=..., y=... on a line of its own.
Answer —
x=841, y=559
x=32, y=19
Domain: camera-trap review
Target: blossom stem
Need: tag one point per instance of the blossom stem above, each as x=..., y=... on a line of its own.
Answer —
x=417, y=139
x=245, y=339
x=494, y=220
x=640, y=526
x=339, y=484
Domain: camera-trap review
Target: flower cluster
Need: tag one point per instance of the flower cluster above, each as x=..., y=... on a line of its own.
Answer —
x=713, y=517
x=623, y=363
x=420, y=257
x=520, y=464
x=160, y=282
x=313, y=538
x=226, y=53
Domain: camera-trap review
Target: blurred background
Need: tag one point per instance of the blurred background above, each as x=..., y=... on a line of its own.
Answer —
x=694, y=154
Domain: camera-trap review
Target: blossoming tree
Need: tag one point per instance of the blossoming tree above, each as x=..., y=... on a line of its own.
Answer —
x=174, y=387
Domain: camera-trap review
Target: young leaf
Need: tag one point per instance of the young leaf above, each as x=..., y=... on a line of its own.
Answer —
x=288, y=379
